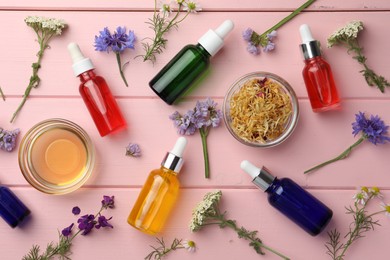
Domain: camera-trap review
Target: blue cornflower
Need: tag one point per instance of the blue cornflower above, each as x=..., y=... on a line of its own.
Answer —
x=86, y=223
x=133, y=150
x=67, y=231
x=116, y=42
x=204, y=116
x=374, y=130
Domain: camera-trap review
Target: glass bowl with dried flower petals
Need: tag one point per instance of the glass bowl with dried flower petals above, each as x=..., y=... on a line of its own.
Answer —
x=261, y=109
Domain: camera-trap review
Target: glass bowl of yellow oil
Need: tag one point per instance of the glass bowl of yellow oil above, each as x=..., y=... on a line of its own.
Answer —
x=56, y=156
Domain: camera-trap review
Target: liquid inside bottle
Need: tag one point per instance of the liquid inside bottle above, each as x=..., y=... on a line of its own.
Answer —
x=175, y=78
x=320, y=85
x=298, y=205
x=100, y=103
x=155, y=202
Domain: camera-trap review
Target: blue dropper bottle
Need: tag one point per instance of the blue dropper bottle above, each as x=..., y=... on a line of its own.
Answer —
x=291, y=199
x=12, y=209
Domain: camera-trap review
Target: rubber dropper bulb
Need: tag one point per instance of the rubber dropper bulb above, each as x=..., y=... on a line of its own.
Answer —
x=250, y=169
x=179, y=147
x=306, y=35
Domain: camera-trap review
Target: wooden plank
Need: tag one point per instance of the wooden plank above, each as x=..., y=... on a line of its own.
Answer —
x=232, y=62
x=249, y=207
x=317, y=138
x=216, y=5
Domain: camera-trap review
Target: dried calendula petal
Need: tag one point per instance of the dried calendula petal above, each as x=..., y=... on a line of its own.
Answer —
x=260, y=110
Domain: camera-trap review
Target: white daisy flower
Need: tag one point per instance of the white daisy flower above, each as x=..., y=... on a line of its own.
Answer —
x=386, y=208
x=192, y=7
x=189, y=245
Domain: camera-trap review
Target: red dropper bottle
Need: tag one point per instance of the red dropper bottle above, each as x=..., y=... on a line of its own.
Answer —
x=317, y=75
x=96, y=94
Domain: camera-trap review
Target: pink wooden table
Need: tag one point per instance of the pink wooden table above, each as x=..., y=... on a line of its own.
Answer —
x=316, y=138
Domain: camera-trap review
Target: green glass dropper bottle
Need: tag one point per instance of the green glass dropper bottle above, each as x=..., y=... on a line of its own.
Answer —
x=178, y=75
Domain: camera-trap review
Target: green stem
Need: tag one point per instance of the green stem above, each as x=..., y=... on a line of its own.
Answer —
x=203, y=135
x=288, y=18
x=230, y=224
x=118, y=59
x=34, y=79
x=341, y=156
x=2, y=94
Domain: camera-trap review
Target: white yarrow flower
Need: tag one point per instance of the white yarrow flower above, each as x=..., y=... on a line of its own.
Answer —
x=204, y=209
x=349, y=31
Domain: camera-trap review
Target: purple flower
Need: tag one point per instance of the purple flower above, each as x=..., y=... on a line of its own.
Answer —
x=183, y=123
x=103, y=222
x=272, y=35
x=118, y=42
x=374, y=129
x=108, y=202
x=204, y=116
x=86, y=223
x=252, y=49
x=8, y=139
x=76, y=210
x=247, y=34
x=67, y=231
x=133, y=150
x=269, y=47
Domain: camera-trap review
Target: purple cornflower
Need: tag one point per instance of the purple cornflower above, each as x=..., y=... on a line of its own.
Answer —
x=86, y=223
x=133, y=150
x=103, y=222
x=8, y=139
x=108, y=202
x=76, y=210
x=204, y=116
x=117, y=42
x=67, y=231
x=374, y=129
x=269, y=47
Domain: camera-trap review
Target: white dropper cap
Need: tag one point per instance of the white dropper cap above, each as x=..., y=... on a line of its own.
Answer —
x=173, y=159
x=212, y=41
x=310, y=47
x=306, y=36
x=179, y=147
x=81, y=64
x=262, y=178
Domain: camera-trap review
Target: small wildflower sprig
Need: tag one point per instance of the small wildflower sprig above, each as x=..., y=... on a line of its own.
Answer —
x=8, y=139
x=86, y=224
x=161, y=24
x=203, y=117
x=117, y=42
x=207, y=213
x=374, y=130
x=348, y=37
x=362, y=222
x=133, y=150
x=162, y=250
x=265, y=40
x=2, y=94
x=45, y=28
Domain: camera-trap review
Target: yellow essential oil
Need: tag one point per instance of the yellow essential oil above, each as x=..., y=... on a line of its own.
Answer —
x=59, y=156
x=159, y=193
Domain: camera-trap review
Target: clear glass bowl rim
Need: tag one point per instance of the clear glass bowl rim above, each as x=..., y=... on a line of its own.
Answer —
x=289, y=90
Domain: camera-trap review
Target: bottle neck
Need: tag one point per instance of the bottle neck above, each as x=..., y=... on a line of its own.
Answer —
x=274, y=186
x=168, y=171
x=311, y=49
x=87, y=75
x=203, y=51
